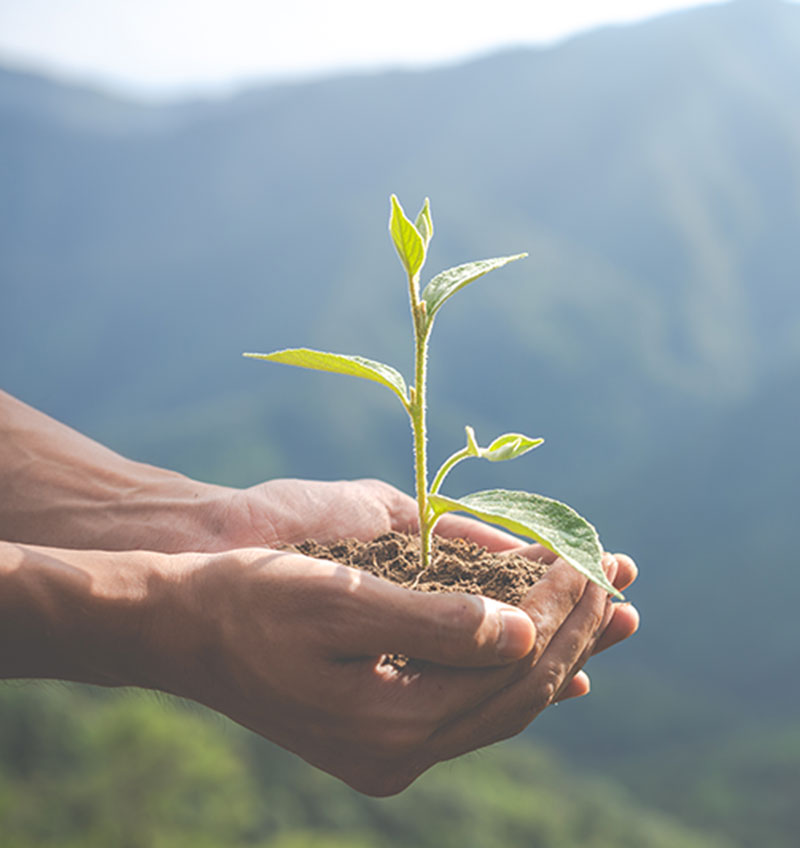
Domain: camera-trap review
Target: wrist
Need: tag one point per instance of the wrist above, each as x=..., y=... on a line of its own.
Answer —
x=65, y=490
x=129, y=507
x=164, y=511
x=84, y=616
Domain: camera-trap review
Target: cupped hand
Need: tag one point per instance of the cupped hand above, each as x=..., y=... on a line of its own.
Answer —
x=294, y=649
x=282, y=512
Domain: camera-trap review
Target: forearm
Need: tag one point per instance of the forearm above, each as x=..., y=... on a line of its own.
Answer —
x=85, y=616
x=60, y=488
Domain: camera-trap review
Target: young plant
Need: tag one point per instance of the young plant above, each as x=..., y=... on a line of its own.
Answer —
x=553, y=524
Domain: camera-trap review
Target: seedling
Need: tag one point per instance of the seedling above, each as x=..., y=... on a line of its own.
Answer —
x=553, y=524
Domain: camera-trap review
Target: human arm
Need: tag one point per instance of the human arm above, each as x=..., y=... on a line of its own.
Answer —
x=291, y=648
x=285, y=645
x=63, y=489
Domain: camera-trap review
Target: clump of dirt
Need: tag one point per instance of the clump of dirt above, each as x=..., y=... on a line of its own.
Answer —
x=457, y=565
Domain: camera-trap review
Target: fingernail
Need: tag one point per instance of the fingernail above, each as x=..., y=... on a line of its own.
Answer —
x=517, y=634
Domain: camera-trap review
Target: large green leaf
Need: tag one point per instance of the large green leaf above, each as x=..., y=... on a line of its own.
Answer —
x=408, y=241
x=554, y=524
x=447, y=283
x=355, y=366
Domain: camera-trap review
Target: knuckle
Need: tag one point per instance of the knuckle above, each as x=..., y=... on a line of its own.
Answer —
x=598, y=617
x=576, y=585
x=549, y=686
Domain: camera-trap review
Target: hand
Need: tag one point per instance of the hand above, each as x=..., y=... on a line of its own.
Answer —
x=292, y=648
x=286, y=645
x=283, y=512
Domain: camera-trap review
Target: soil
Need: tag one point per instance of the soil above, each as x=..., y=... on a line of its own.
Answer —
x=456, y=565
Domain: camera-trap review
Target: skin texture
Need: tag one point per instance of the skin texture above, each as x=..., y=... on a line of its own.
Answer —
x=118, y=573
x=453, y=698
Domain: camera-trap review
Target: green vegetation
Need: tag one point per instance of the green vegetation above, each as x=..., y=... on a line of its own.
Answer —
x=83, y=768
x=555, y=525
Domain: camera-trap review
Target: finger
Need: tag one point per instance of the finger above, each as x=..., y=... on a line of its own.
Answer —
x=452, y=629
x=513, y=708
x=405, y=519
x=577, y=687
x=551, y=600
x=452, y=526
x=572, y=646
x=538, y=553
x=624, y=623
x=443, y=693
x=590, y=646
x=627, y=571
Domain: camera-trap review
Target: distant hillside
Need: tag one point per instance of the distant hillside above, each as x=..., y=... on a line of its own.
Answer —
x=650, y=171
x=653, y=336
x=78, y=768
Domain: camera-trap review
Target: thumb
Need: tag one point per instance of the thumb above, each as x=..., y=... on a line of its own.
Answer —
x=453, y=629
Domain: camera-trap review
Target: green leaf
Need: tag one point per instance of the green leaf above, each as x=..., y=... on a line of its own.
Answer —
x=424, y=222
x=447, y=283
x=408, y=241
x=507, y=446
x=356, y=366
x=554, y=524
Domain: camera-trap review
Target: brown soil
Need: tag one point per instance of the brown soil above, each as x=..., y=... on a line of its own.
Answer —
x=456, y=565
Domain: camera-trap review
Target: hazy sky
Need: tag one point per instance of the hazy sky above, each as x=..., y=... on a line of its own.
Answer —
x=163, y=47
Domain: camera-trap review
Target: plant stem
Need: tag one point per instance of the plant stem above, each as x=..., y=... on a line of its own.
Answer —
x=421, y=450
x=417, y=411
x=447, y=466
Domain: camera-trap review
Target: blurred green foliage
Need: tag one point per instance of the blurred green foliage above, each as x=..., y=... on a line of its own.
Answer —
x=80, y=767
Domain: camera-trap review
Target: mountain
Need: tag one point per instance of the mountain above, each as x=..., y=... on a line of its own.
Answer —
x=651, y=198
x=652, y=337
